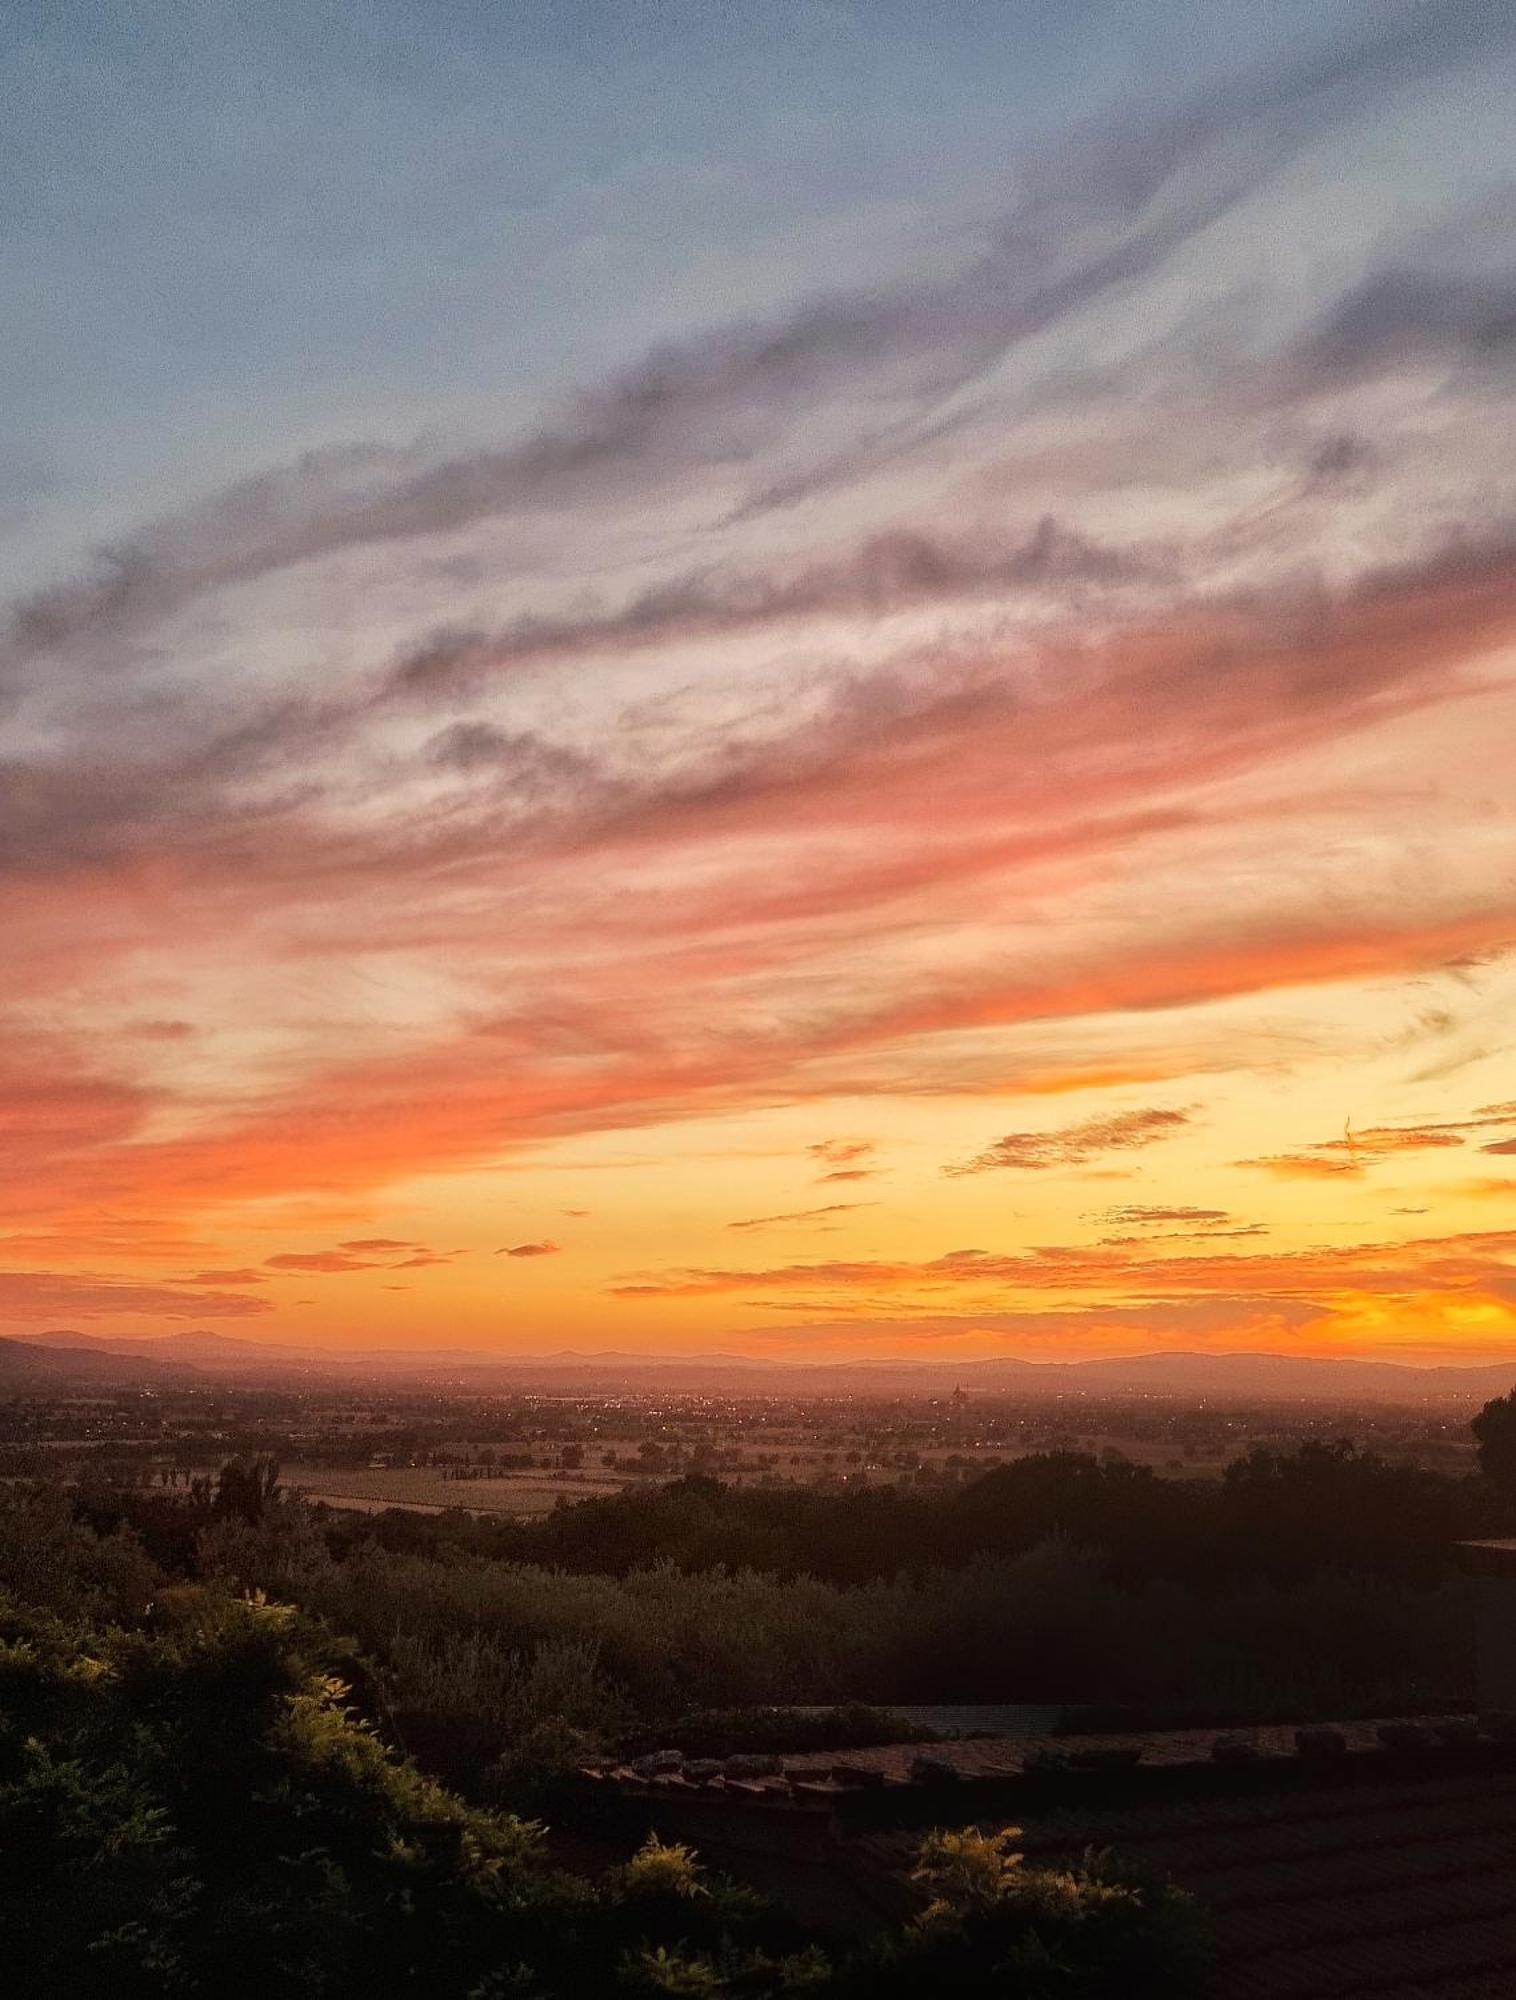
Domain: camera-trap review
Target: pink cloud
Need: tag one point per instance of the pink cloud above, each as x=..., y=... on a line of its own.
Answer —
x=50, y=1295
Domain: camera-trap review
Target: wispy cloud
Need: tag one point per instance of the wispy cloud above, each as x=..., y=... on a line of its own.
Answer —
x=1072, y=1145
x=1324, y=1283
x=368, y=1253
x=1156, y=1214
x=27, y=1296
x=800, y=1215
x=1351, y=1155
x=841, y=1152
x=1306, y=1166
x=1098, y=213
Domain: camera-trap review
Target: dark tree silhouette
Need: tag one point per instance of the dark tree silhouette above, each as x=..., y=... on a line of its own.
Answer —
x=1495, y=1430
x=247, y=1487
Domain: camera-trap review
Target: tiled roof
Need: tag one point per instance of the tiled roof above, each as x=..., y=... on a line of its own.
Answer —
x=1010, y=1757
x=1383, y=1865
x=1404, y=1890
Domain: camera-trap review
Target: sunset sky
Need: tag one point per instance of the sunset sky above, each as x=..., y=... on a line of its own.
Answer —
x=793, y=678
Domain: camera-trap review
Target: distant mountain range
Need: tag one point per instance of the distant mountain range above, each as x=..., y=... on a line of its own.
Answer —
x=65, y=1358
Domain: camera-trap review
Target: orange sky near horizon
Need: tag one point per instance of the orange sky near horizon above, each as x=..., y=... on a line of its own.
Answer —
x=910, y=1050
x=969, y=815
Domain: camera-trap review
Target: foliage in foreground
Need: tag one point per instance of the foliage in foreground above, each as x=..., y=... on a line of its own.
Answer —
x=204, y=1792
x=190, y=1806
x=994, y=1927
x=193, y=1808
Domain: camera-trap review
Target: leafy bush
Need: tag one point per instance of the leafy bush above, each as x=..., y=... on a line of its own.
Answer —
x=51, y=1560
x=993, y=1927
x=470, y=1653
x=1309, y=1583
x=193, y=1808
x=191, y=1805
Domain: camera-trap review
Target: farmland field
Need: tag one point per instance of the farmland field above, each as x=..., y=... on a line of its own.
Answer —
x=372, y=1488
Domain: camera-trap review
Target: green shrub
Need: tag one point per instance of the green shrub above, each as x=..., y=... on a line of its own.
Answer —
x=49, y=1560
x=992, y=1928
x=190, y=1805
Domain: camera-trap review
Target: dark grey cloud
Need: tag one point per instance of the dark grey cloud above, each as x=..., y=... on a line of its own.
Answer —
x=519, y=765
x=887, y=572
x=184, y=778
x=1339, y=459
x=1399, y=317
x=266, y=793
x=1094, y=218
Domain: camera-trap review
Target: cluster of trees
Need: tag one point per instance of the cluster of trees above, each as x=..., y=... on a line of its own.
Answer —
x=193, y=1802
x=1277, y=1516
x=1316, y=1583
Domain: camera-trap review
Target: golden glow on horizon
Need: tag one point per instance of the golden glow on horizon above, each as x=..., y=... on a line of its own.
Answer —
x=743, y=1231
